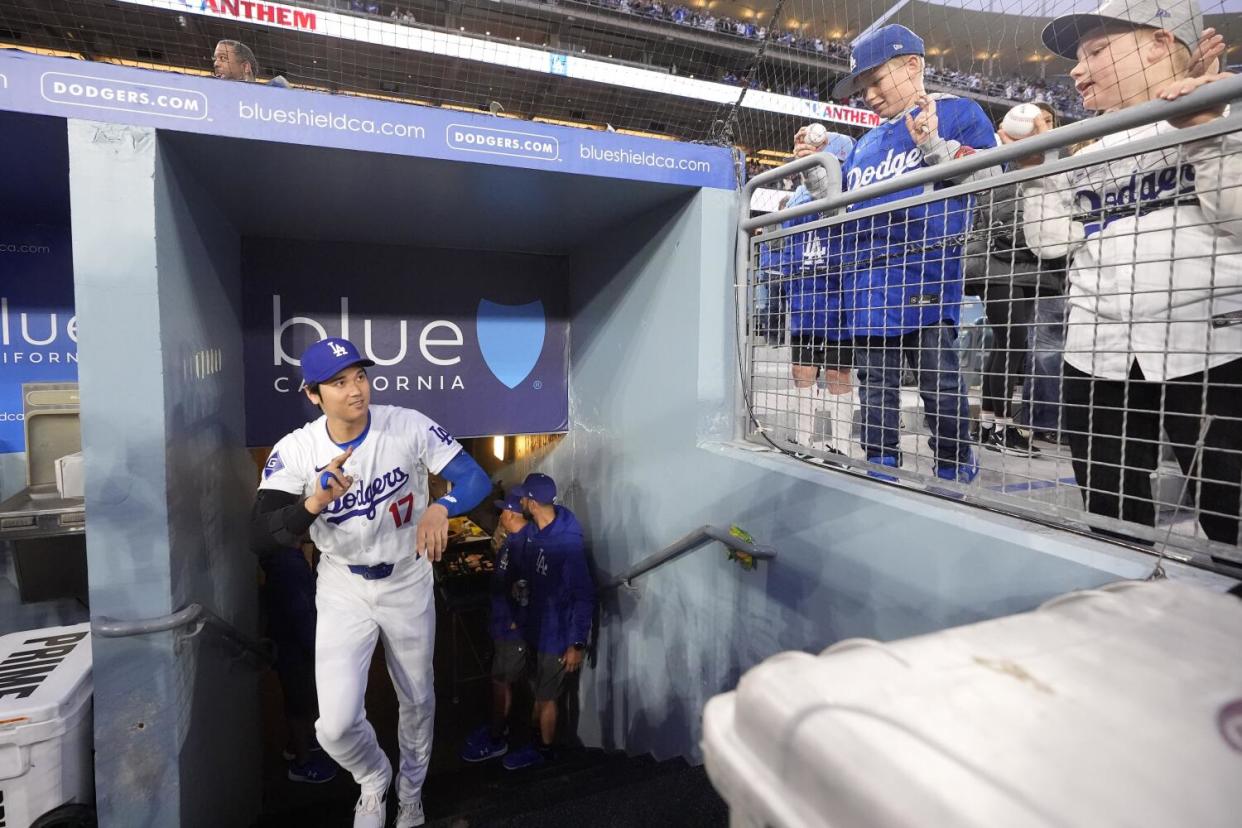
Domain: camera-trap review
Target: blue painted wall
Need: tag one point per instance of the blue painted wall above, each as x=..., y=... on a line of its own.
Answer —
x=167, y=480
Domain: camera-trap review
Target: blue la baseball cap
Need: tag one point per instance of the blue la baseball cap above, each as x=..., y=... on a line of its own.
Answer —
x=874, y=49
x=539, y=488
x=328, y=357
x=512, y=500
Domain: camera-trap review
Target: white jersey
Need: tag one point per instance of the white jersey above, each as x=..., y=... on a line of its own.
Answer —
x=374, y=522
x=1155, y=241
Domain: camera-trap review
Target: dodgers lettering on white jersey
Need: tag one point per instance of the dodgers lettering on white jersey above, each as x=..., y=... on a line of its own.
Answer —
x=1156, y=270
x=374, y=522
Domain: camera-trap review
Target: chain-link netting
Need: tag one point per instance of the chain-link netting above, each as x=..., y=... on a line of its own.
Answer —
x=704, y=70
x=1056, y=336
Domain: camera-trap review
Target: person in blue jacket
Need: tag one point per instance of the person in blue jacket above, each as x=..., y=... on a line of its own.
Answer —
x=506, y=626
x=562, y=606
x=820, y=337
x=902, y=274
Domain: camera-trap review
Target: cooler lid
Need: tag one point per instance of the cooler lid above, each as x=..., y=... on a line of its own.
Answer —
x=43, y=673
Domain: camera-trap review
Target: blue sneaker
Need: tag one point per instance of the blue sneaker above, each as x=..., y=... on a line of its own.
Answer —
x=529, y=756
x=884, y=460
x=961, y=472
x=316, y=770
x=481, y=746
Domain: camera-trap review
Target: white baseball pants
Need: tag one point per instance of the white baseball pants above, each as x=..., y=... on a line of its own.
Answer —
x=353, y=612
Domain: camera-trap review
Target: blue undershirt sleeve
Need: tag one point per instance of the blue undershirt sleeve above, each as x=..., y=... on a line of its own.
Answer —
x=470, y=484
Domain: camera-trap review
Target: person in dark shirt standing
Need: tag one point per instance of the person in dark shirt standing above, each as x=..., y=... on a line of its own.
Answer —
x=562, y=605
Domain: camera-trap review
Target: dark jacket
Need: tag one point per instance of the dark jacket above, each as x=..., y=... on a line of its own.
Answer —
x=996, y=247
x=508, y=617
x=562, y=594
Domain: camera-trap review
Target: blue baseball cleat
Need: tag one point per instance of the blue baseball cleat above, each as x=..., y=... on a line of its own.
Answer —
x=481, y=746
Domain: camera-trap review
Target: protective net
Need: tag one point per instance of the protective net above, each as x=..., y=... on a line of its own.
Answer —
x=706, y=70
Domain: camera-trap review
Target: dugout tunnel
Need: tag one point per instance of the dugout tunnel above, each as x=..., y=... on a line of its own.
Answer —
x=183, y=235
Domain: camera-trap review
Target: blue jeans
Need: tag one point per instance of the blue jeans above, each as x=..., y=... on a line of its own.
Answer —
x=932, y=352
x=1042, y=392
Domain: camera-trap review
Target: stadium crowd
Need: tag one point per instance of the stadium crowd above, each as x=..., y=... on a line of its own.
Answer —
x=1061, y=96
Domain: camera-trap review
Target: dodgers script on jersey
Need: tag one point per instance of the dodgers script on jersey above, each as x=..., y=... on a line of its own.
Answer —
x=374, y=522
x=902, y=268
x=1156, y=272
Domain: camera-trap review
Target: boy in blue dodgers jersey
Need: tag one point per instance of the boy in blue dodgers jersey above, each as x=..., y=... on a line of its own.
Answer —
x=1155, y=281
x=506, y=626
x=902, y=276
x=562, y=605
x=357, y=479
x=821, y=340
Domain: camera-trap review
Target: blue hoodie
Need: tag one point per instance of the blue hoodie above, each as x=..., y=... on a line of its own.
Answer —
x=508, y=618
x=562, y=595
x=813, y=277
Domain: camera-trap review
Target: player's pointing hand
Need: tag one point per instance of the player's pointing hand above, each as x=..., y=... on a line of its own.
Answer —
x=333, y=482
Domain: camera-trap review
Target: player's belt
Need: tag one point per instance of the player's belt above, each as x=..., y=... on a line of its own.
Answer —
x=372, y=573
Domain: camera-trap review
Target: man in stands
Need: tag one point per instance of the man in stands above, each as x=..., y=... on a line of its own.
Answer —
x=234, y=60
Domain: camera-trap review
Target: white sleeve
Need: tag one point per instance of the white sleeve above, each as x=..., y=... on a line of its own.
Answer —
x=434, y=446
x=1048, y=217
x=285, y=470
x=1218, y=180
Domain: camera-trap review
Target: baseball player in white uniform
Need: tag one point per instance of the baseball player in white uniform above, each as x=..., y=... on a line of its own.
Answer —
x=356, y=478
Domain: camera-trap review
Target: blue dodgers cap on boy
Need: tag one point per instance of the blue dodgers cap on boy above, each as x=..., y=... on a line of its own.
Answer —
x=327, y=357
x=874, y=49
x=512, y=500
x=539, y=488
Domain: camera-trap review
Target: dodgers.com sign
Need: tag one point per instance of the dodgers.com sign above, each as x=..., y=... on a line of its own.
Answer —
x=117, y=94
x=478, y=341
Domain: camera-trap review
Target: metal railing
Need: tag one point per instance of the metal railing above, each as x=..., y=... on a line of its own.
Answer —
x=1152, y=278
x=688, y=543
x=191, y=614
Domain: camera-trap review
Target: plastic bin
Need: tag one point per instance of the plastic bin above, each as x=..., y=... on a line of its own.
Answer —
x=45, y=723
x=1110, y=707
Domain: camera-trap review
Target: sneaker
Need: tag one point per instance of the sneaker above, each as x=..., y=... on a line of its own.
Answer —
x=316, y=770
x=370, y=811
x=529, y=756
x=1055, y=438
x=884, y=460
x=1008, y=440
x=960, y=472
x=481, y=746
x=410, y=814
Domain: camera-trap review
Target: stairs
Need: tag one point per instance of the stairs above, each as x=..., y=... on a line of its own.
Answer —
x=583, y=788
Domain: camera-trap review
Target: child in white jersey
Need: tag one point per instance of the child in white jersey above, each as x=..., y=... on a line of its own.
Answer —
x=1155, y=326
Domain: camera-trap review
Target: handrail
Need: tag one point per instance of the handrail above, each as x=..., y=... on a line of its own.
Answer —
x=689, y=543
x=189, y=614
x=1219, y=93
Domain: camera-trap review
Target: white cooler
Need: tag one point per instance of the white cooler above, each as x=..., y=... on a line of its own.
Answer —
x=45, y=722
x=1113, y=707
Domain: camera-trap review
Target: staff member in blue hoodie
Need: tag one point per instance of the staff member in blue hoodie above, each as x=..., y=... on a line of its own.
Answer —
x=562, y=603
x=506, y=626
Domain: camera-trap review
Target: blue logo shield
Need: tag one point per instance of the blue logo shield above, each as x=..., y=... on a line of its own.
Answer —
x=511, y=338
